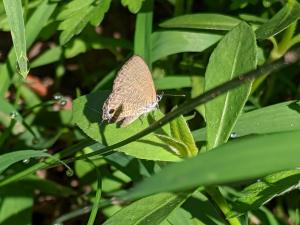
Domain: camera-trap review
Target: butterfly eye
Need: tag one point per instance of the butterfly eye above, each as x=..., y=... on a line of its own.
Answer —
x=111, y=111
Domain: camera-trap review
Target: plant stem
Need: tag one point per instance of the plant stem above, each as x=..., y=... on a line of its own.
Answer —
x=221, y=202
x=277, y=52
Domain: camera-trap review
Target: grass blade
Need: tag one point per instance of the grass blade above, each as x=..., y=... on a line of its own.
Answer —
x=16, y=22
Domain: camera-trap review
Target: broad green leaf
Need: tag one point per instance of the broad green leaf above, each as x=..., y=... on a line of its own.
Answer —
x=172, y=82
x=16, y=204
x=207, y=21
x=261, y=121
x=275, y=118
x=177, y=146
x=14, y=13
x=78, y=14
x=181, y=132
x=255, y=195
x=143, y=30
x=33, y=27
x=154, y=208
x=252, y=18
x=133, y=6
x=197, y=89
x=287, y=15
x=166, y=43
x=180, y=216
x=87, y=115
x=234, y=55
x=8, y=159
x=232, y=162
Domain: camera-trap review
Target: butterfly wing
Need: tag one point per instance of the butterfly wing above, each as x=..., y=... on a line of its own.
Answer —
x=133, y=93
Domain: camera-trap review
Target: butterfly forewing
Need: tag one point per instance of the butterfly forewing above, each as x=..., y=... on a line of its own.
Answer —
x=133, y=92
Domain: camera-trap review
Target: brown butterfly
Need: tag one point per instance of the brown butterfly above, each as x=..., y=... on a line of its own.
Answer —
x=133, y=93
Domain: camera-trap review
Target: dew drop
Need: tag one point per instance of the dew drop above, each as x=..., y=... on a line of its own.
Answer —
x=63, y=102
x=57, y=96
x=26, y=161
x=233, y=135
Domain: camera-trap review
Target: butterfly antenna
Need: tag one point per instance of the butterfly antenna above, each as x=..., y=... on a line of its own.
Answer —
x=159, y=97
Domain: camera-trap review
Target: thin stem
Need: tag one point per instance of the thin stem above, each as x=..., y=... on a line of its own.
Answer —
x=221, y=202
x=279, y=49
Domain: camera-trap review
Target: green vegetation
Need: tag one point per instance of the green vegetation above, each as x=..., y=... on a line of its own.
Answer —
x=222, y=149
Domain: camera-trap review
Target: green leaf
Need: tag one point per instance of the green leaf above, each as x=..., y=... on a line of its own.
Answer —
x=255, y=195
x=172, y=82
x=180, y=216
x=77, y=46
x=78, y=14
x=261, y=121
x=133, y=6
x=180, y=131
x=267, y=217
x=8, y=159
x=49, y=56
x=93, y=41
x=177, y=146
x=43, y=164
x=16, y=204
x=252, y=18
x=234, y=55
x=154, y=208
x=6, y=111
x=282, y=19
x=48, y=187
x=143, y=30
x=232, y=162
x=197, y=89
x=166, y=43
x=33, y=27
x=14, y=13
x=208, y=21
x=87, y=115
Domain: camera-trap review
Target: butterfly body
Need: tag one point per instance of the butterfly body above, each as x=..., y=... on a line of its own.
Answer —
x=133, y=93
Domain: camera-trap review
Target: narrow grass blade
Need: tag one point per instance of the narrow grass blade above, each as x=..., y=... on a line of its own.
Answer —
x=14, y=13
x=143, y=30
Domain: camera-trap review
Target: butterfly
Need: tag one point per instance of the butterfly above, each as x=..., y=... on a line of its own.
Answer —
x=133, y=93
